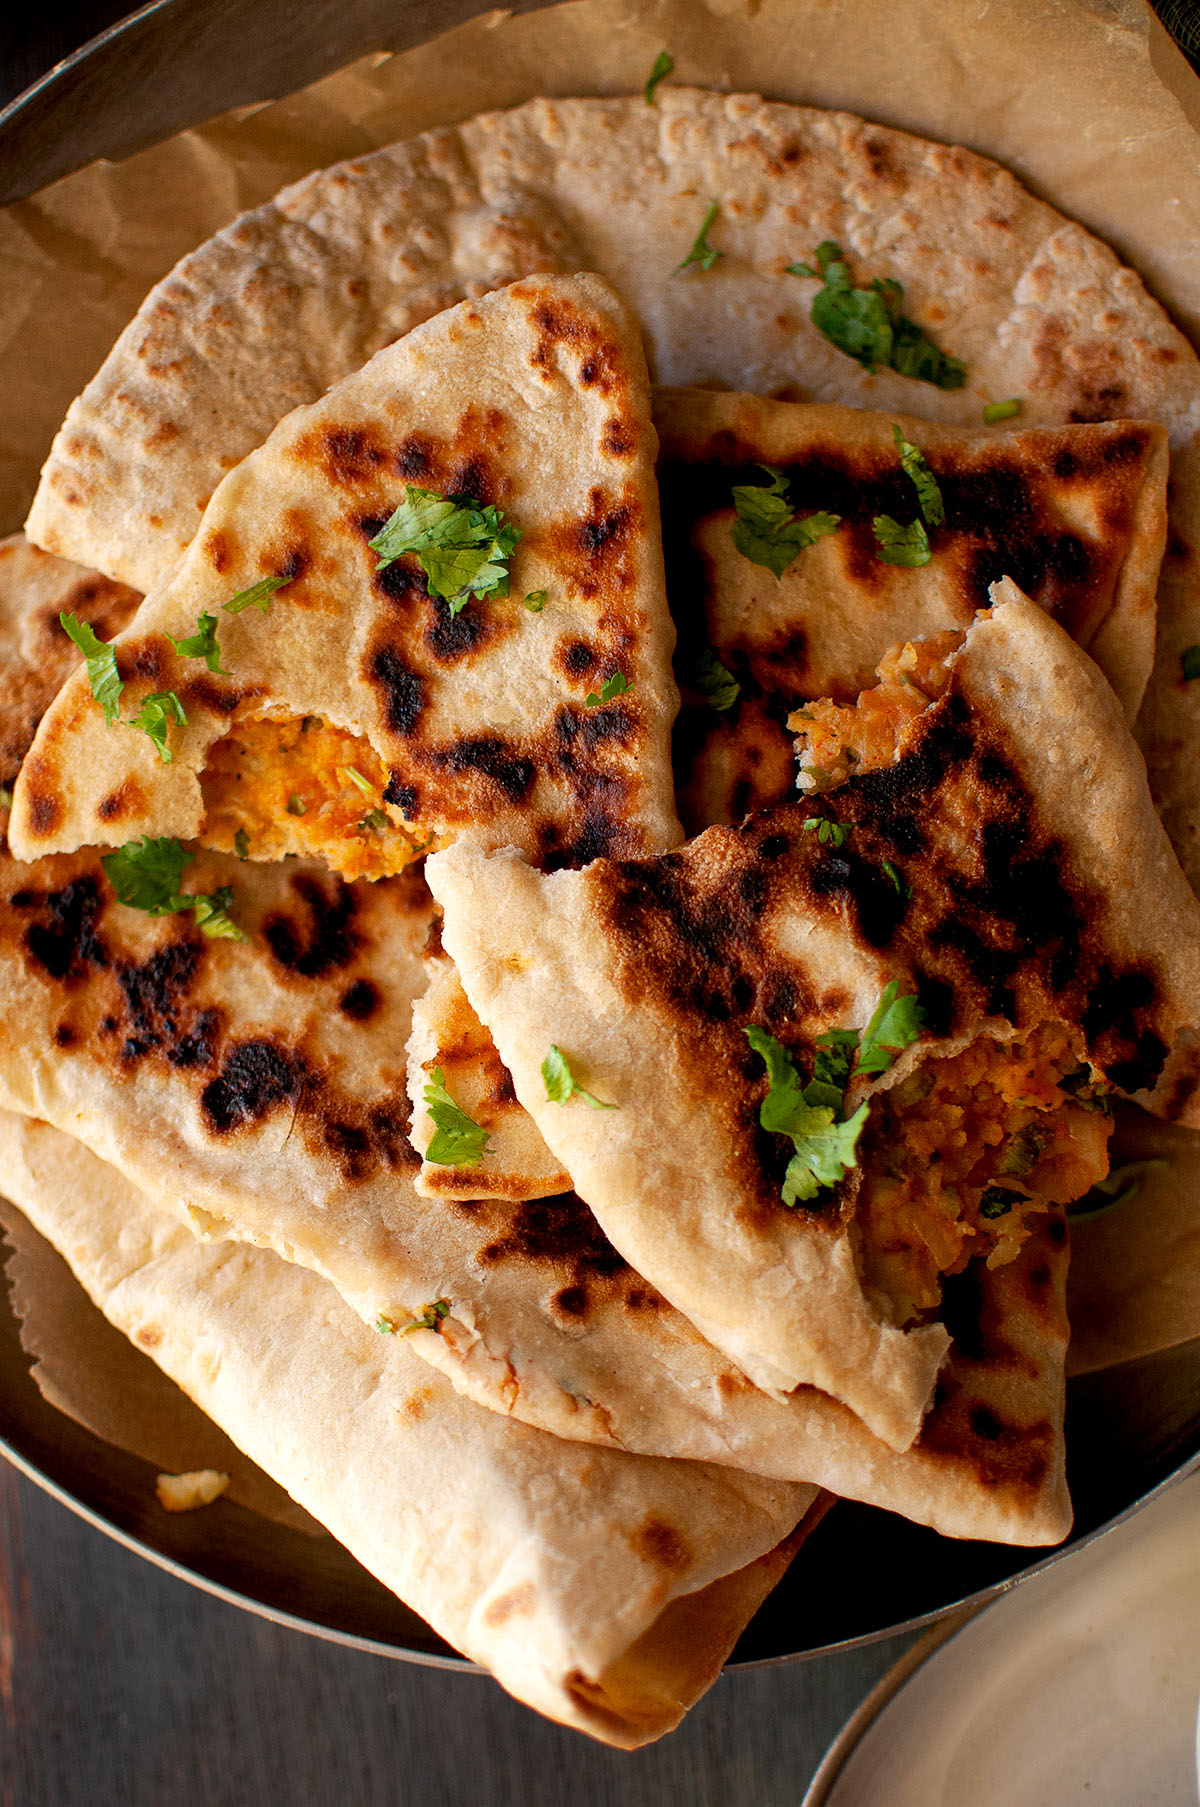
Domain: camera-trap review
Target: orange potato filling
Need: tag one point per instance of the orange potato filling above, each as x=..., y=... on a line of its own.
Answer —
x=836, y=739
x=961, y=1156
x=299, y=785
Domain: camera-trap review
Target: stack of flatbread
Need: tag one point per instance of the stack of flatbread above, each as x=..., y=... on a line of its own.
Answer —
x=561, y=1134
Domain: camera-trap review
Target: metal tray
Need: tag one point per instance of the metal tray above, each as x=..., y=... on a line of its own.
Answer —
x=865, y=1574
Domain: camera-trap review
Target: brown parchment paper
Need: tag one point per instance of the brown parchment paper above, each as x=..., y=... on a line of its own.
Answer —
x=1086, y=100
x=92, y=1373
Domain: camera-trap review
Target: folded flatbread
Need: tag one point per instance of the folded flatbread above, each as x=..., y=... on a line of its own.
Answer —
x=35, y=654
x=439, y=710
x=256, y=1091
x=1047, y=942
x=448, y=1038
x=1077, y=515
x=295, y=295
x=603, y=1589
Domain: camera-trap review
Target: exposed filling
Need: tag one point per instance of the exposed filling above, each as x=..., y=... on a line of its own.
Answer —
x=835, y=740
x=961, y=1156
x=275, y=786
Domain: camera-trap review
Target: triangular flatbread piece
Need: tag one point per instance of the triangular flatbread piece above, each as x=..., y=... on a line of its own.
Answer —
x=507, y=1158
x=374, y=711
x=1077, y=514
x=1007, y=870
x=601, y=1588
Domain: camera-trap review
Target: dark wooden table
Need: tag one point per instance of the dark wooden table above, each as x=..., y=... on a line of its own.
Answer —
x=121, y=1686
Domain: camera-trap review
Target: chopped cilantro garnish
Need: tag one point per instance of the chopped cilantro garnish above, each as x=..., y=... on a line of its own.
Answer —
x=829, y=834
x=812, y=1115
x=766, y=531
x=428, y=1318
x=702, y=253
x=375, y=821
x=145, y=875
x=457, y=1140
x=995, y=411
x=296, y=806
x=1121, y=1185
x=617, y=685
x=716, y=684
x=1023, y=1151
x=894, y=1026
x=929, y=494
x=1189, y=663
x=258, y=596
x=900, y=545
x=157, y=710
x=562, y=1085
x=997, y=1201
x=895, y=878
x=241, y=844
x=825, y=1146
x=462, y=546
x=103, y=675
x=1086, y=1088
x=664, y=62
x=202, y=644
x=867, y=323
x=535, y=601
x=356, y=778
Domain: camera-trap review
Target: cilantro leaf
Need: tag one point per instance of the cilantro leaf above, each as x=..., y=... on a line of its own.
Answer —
x=461, y=545
x=375, y=821
x=715, y=682
x=562, y=1085
x=161, y=707
x=868, y=326
x=457, y=1141
x=101, y=657
x=702, y=252
x=900, y=545
x=428, y=1318
x=829, y=834
x=295, y=805
x=617, y=685
x=210, y=910
x=202, y=644
x=825, y=1147
x=895, y=878
x=145, y=876
x=241, y=844
x=1189, y=663
x=995, y=411
x=766, y=530
x=662, y=67
x=929, y=495
x=895, y=1025
x=997, y=1201
x=356, y=778
x=535, y=601
x=258, y=596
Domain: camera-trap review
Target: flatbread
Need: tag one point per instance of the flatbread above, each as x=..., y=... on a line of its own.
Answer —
x=603, y=1589
x=296, y=293
x=1024, y=909
x=534, y=399
x=36, y=656
x=1077, y=515
x=449, y=1038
